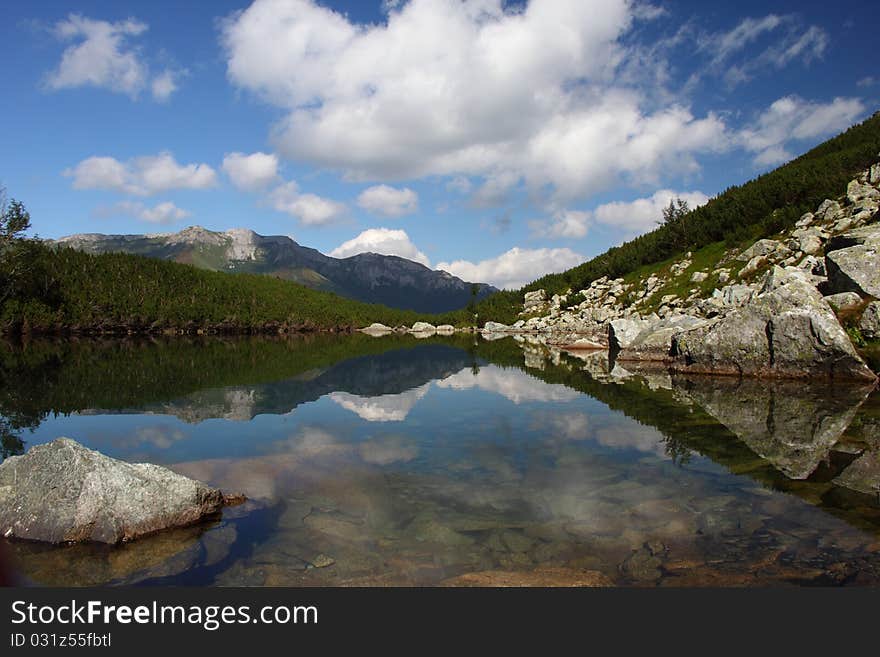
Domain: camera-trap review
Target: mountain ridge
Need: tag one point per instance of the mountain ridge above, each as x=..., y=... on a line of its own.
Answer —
x=369, y=277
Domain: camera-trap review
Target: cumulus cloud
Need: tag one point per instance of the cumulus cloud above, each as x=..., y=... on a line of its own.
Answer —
x=643, y=214
x=310, y=209
x=430, y=91
x=638, y=216
x=164, y=84
x=161, y=213
x=141, y=176
x=515, y=268
x=389, y=201
x=102, y=56
x=384, y=241
x=791, y=119
x=252, y=172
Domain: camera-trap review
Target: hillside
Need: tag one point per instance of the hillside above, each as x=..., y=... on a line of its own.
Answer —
x=735, y=218
x=368, y=277
x=66, y=290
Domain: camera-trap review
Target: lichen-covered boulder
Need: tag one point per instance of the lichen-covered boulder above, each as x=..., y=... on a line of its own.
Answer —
x=64, y=492
x=786, y=330
x=853, y=261
x=869, y=324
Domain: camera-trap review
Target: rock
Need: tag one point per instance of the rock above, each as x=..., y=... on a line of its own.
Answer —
x=64, y=492
x=869, y=324
x=736, y=295
x=422, y=327
x=445, y=329
x=544, y=576
x=862, y=475
x=805, y=220
x=643, y=565
x=810, y=244
x=699, y=277
x=495, y=327
x=828, y=209
x=856, y=191
x=786, y=330
x=853, y=261
x=761, y=248
x=723, y=276
x=621, y=332
x=377, y=329
x=874, y=175
x=753, y=265
x=843, y=300
x=655, y=342
x=533, y=301
x=322, y=561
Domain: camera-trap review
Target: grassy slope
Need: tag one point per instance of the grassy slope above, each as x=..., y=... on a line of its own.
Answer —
x=737, y=217
x=69, y=289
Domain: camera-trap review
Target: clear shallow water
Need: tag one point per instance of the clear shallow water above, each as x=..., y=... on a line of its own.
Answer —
x=398, y=461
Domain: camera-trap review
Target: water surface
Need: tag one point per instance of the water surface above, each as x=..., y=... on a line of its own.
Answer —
x=421, y=462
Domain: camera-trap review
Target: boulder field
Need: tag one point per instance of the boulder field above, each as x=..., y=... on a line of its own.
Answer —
x=787, y=306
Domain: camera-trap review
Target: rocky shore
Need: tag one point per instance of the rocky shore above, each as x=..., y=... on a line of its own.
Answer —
x=788, y=307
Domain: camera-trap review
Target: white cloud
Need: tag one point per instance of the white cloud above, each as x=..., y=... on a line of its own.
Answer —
x=389, y=201
x=638, y=216
x=161, y=213
x=310, y=209
x=384, y=241
x=791, y=41
x=164, y=85
x=573, y=224
x=141, y=176
x=515, y=268
x=459, y=184
x=790, y=119
x=643, y=214
x=102, y=56
x=479, y=88
x=251, y=172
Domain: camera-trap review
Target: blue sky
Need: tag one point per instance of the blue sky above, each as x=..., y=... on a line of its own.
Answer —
x=496, y=140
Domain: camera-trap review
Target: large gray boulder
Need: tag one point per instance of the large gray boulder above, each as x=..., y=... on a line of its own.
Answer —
x=654, y=343
x=853, y=261
x=64, y=492
x=621, y=332
x=786, y=330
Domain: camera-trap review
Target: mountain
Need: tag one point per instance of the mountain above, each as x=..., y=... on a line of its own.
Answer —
x=389, y=280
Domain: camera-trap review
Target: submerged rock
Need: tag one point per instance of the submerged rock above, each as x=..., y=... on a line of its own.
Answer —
x=542, y=577
x=64, y=492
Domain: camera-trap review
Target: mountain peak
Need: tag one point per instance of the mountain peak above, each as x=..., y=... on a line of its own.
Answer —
x=371, y=277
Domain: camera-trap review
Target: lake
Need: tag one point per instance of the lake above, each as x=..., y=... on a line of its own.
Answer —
x=397, y=461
